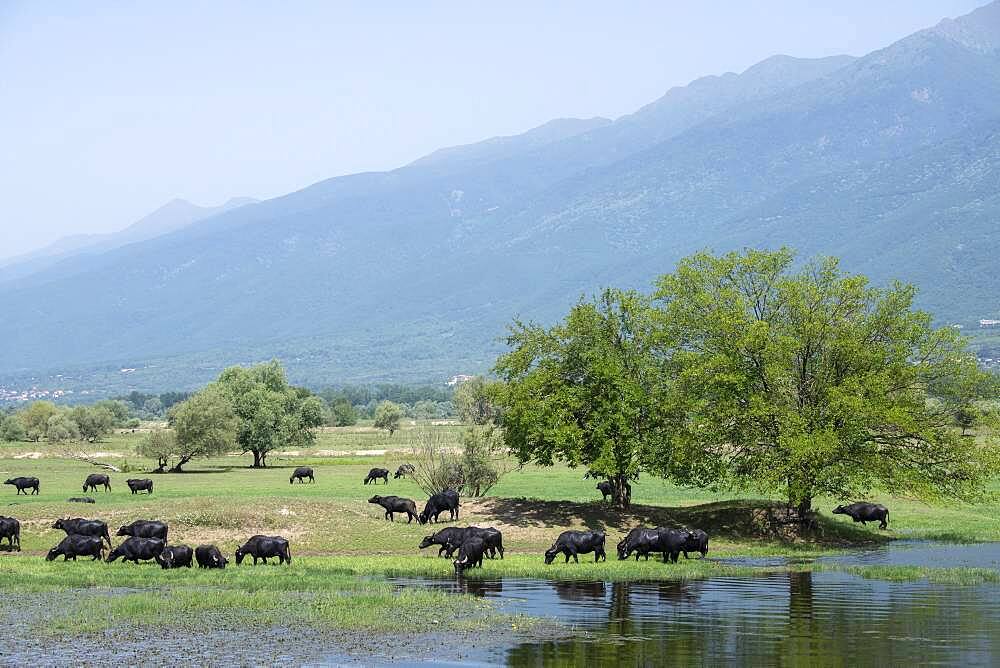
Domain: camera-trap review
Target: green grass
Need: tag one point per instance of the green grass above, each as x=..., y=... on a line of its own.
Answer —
x=319, y=593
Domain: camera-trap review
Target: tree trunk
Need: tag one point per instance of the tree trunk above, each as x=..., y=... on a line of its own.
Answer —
x=258, y=459
x=621, y=491
x=177, y=467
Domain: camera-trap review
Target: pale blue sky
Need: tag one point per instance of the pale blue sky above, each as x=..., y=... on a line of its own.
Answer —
x=109, y=110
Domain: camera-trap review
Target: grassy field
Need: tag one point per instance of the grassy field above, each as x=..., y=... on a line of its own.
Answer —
x=344, y=550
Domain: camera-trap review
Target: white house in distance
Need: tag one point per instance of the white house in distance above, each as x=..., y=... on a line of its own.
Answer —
x=989, y=323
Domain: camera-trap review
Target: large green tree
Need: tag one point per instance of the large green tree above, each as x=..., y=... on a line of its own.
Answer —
x=203, y=425
x=585, y=391
x=809, y=381
x=94, y=422
x=271, y=413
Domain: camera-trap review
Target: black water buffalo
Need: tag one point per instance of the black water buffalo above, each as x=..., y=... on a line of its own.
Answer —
x=140, y=485
x=865, y=512
x=451, y=538
x=605, y=489
x=75, y=545
x=84, y=527
x=95, y=479
x=80, y=499
x=262, y=547
x=209, y=556
x=175, y=556
x=375, y=474
x=144, y=529
x=437, y=504
x=137, y=549
x=396, y=504
x=671, y=542
x=404, y=470
x=572, y=543
x=697, y=542
x=470, y=555
x=23, y=484
x=640, y=540
x=10, y=529
x=300, y=474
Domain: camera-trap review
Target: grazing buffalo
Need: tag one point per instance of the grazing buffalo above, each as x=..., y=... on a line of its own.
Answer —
x=375, y=474
x=697, y=542
x=605, y=489
x=396, y=504
x=452, y=538
x=643, y=540
x=572, y=543
x=262, y=547
x=865, y=512
x=175, y=556
x=640, y=540
x=95, y=479
x=10, y=529
x=145, y=529
x=23, y=484
x=140, y=485
x=209, y=556
x=301, y=473
x=80, y=499
x=437, y=504
x=84, y=527
x=470, y=555
x=404, y=470
x=137, y=549
x=75, y=545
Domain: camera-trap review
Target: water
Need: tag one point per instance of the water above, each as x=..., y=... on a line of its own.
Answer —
x=788, y=619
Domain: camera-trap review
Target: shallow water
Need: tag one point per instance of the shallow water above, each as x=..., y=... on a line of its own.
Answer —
x=788, y=619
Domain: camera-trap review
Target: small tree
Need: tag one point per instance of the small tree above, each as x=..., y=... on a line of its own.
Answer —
x=93, y=422
x=205, y=425
x=11, y=429
x=61, y=428
x=476, y=401
x=35, y=419
x=388, y=416
x=343, y=414
x=160, y=445
x=484, y=459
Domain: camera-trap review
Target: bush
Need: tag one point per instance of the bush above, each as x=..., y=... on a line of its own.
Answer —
x=471, y=468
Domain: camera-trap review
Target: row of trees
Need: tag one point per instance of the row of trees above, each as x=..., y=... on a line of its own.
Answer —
x=44, y=421
x=749, y=372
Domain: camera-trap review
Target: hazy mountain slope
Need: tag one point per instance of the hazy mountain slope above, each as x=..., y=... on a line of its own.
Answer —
x=172, y=216
x=889, y=160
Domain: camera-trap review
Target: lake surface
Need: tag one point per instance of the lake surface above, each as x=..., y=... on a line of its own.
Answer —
x=788, y=619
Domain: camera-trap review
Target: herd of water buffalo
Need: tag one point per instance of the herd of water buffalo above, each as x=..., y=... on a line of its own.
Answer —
x=146, y=540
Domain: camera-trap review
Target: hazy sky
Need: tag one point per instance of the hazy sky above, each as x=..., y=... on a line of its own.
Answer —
x=109, y=110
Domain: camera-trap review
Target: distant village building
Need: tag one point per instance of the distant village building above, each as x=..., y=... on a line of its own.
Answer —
x=989, y=323
x=459, y=379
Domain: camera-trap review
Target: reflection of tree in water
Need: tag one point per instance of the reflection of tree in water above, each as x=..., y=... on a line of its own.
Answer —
x=793, y=619
x=583, y=591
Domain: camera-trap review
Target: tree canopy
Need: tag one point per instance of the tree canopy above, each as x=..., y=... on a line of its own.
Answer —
x=271, y=413
x=203, y=425
x=585, y=391
x=388, y=416
x=749, y=371
x=811, y=381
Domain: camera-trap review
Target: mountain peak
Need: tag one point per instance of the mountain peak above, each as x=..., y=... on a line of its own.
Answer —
x=978, y=30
